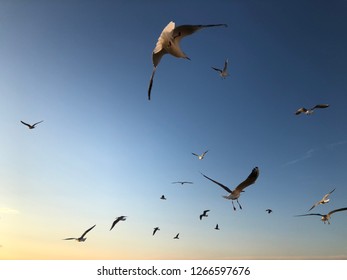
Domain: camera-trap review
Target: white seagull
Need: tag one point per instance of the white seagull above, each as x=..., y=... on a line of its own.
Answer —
x=120, y=218
x=310, y=111
x=324, y=200
x=325, y=218
x=235, y=194
x=200, y=156
x=82, y=238
x=223, y=72
x=204, y=214
x=169, y=43
x=31, y=126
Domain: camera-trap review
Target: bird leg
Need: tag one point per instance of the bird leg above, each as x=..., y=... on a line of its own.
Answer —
x=238, y=203
x=233, y=205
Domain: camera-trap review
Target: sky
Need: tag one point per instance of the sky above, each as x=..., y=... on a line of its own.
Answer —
x=104, y=150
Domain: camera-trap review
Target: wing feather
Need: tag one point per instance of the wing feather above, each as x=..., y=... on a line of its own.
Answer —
x=249, y=180
x=219, y=184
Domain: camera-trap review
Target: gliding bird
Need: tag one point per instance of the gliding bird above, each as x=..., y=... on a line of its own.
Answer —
x=31, y=126
x=204, y=214
x=325, y=218
x=223, y=73
x=310, y=111
x=176, y=237
x=235, y=194
x=169, y=43
x=81, y=238
x=324, y=200
x=200, y=156
x=182, y=182
x=120, y=218
x=155, y=230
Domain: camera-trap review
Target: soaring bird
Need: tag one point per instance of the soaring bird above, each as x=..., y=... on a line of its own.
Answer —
x=169, y=43
x=182, y=182
x=176, y=237
x=204, y=214
x=269, y=211
x=217, y=227
x=324, y=200
x=235, y=194
x=200, y=156
x=155, y=230
x=163, y=197
x=31, y=126
x=223, y=72
x=120, y=218
x=325, y=218
x=310, y=111
x=82, y=237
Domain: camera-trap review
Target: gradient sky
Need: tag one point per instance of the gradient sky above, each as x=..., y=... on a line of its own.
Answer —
x=104, y=150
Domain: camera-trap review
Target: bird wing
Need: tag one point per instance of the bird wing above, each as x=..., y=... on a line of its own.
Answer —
x=249, y=180
x=204, y=153
x=115, y=222
x=219, y=70
x=151, y=83
x=300, y=110
x=195, y=154
x=25, y=124
x=159, y=51
x=37, y=123
x=320, y=106
x=225, y=65
x=312, y=214
x=314, y=205
x=337, y=210
x=221, y=185
x=88, y=230
x=327, y=195
x=70, y=238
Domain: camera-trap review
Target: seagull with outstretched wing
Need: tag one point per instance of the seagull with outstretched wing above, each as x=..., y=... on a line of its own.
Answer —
x=310, y=111
x=324, y=200
x=200, y=156
x=223, y=72
x=120, y=218
x=155, y=230
x=182, y=182
x=82, y=238
x=31, y=126
x=325, y=218
x=204, y=214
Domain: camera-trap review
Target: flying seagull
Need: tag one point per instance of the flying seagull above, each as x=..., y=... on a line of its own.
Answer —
x=200, y=156
x=120, y=218
x=81, y=238
x=310, y=111
x=217, y=227
x=182, y=182
x=235, y=194
x=325, y=218
x=176, y=237
x=163, y=197
x=169, y=43
x=204, y=214
x=324, y=200
x=223, y=72
x=268, y=211
x=155, y=230
x=31, y=126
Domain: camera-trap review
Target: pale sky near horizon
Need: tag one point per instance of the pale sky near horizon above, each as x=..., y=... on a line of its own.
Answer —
x=103, y=150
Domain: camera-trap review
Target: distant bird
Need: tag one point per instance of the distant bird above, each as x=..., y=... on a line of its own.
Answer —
x=204, y=214
x=82, y=237
x=269, y=211
x=120, y=218
x=310, y=111
x=223, y=72
x=217, y=227
x=200, y=156
x=235, y=194
x=155, y=230
x=31, y=126
x=182, y=182
x=176, y=237
x=169, y=43
x=163, y=197
x=324, y=200
x=325, y=218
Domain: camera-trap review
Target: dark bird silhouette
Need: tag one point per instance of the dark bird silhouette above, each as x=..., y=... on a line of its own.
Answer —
x=82, y=237
x=120, y=218
x=31, y=126
x=310, y=111
x=217, y=227
x=155, y=230
x=163, y=197
x=176, y=237
x=324, y=200
x=269, y=211
x=169, y=43
x=182, y=182
x=204, y=214
x=235, y=194
x=325, y=218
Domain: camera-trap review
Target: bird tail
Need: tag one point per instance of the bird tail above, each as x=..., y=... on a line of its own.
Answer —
x=225, y=196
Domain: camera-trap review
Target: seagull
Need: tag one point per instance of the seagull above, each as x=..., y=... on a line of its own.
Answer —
x=268, y=211
x=169, y=43
x=163, y=197
x=235, y=194
x=182, y=182
x=310, y=111
x=325, y=218
x=31, y=126
x=324, y=200
x=120, y=218
x=204, y=214
x=217, y=227
x=176, y=237
x=223, y=73
x=155, y=230
x=81, y=238
x=200, y=156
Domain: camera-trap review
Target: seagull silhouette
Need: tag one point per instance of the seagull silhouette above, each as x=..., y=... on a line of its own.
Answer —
x=82, y=237
x=163, y=197
x=204, y=214
x=182, y=182
x=31, y=126
x=169, y=43
x=235, y=194
x=155, y=230
x=120, y=218
x=176, y=237
x=200, y=156
x=217, y=227
x=325, y=218
x=223, y=72
x=268, y=211
x=310, y=111
x=324, y=200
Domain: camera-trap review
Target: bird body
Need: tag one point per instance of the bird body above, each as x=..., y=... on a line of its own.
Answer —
x=324, y=200
x=324, y=217
x=31, y=126
x=310, y=111
x=223, y=72
x=120, y=218
x=82, y=238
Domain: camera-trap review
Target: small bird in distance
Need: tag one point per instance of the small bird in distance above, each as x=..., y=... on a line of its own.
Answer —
x=31, y=126
x=310, y=111
x=120, y=218
x=223, y=72
x=82, y=238
x=200, y=157
x=325, y=218
x=204, y=214
x=324, y=200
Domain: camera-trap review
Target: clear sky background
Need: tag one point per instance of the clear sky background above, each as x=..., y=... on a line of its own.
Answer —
x=104, y=150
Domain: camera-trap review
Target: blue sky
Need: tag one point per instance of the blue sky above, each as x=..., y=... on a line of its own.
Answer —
x=104, y=150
